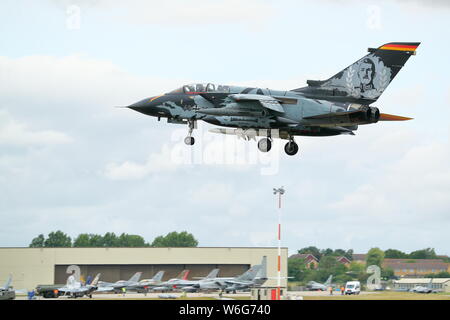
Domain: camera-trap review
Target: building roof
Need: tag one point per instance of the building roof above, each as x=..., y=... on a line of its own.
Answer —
x=424, y=265
x=343, y=259
x=412, y=260
x=422, y=280
x=305, y=256
x=359, y=256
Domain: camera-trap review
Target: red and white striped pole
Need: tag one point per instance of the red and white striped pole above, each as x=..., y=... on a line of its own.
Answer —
x=280, y=192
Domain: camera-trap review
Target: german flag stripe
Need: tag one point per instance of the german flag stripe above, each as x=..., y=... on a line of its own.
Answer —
x=400, y=47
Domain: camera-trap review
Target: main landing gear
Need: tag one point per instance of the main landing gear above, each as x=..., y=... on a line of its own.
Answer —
x=189, y=140
x=265, y=144
x=291, y=147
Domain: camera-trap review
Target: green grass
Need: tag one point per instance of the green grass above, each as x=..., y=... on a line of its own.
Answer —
x=387, y=295
x=180, y=298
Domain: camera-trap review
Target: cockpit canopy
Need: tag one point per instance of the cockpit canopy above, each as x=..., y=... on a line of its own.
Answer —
x=197, y=88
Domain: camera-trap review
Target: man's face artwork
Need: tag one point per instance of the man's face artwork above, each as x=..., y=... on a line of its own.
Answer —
x=366, y=72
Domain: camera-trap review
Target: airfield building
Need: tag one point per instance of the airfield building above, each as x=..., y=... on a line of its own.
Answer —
x=438, y=284
x=33, y=266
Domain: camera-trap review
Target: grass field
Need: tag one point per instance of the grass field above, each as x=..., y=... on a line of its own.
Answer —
x=386, y=295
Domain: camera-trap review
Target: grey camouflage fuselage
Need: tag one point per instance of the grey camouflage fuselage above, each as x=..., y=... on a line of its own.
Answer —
x=323, y=108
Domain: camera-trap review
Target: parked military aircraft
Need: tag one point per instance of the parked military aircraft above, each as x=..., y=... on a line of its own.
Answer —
x=168, y=285
x=315, y=286
x=422, y=289
x=331, y=107
x=76, y=289
x=117, y=286
x=6, y=291
x=249, y=280
x=187, y=285
x=146, y=284
x=255, y=276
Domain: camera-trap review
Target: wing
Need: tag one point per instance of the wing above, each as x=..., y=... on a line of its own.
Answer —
x=267, y=102
x=241, y=283
x=104, y=289
x=220, y=102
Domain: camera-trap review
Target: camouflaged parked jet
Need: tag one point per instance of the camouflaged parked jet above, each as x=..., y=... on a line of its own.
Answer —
x=323, y=108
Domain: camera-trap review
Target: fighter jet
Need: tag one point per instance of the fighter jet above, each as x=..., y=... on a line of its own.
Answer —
x=146, y=284
x=169, y=284
x=6, y=291
x=255, y=276
x=316, y=286
x=330, y=107
x=422, y=289
x=117, y=286
x=76, y=289
x=188, y=285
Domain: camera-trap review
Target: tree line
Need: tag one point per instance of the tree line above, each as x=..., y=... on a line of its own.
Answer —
x=110, y=239
x=301, y=272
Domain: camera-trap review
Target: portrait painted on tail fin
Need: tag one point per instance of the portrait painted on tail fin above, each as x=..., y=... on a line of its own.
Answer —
x=367, y=78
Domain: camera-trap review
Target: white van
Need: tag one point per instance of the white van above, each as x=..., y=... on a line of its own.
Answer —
x=352, y=287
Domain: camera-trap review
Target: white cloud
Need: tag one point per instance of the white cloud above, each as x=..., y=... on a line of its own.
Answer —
x=414, y=187
x=73, y=83
x=263, y=238
x=128, y=170
x=179, y=12
x=13, y=132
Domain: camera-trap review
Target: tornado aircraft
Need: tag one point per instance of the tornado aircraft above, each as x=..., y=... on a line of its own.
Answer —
x=329, y=107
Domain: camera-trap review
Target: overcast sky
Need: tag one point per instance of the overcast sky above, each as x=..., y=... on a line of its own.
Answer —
x=71, y=161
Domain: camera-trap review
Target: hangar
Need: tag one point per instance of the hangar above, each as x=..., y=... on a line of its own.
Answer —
x=33, y=266
x=439, y=284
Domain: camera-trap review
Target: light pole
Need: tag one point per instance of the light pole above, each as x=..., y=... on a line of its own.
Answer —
x=280, y=192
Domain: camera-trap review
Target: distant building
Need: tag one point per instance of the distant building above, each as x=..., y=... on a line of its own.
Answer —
x=310, y=260
x=438, y=284
x=344, y=260
x=33, y=266
x=410, y=267
x=416, y=267
x=359, y=257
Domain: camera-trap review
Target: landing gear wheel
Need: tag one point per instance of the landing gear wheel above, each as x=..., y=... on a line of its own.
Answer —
x=264, y=145
x=291, y=148
x=189, y=141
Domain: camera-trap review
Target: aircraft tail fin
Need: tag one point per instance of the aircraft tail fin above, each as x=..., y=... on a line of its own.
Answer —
x=262, y=273
x=250, y=274
x=213, y=274
x=135, y=277
x=158, y=276
x=366, y=79
x=183, y=275
x=328, y=282
x=8, y=282
x=95, y=280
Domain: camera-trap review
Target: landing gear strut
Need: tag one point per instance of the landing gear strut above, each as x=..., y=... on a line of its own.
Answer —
x=291, y=147
x=189, y=140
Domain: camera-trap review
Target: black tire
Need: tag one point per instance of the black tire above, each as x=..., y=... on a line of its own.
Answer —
x=291, y=148
x=189, y=141
x=264, y=145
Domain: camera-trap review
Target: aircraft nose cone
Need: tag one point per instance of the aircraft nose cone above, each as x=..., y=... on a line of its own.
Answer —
x=140, y=105
x=149, y=106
